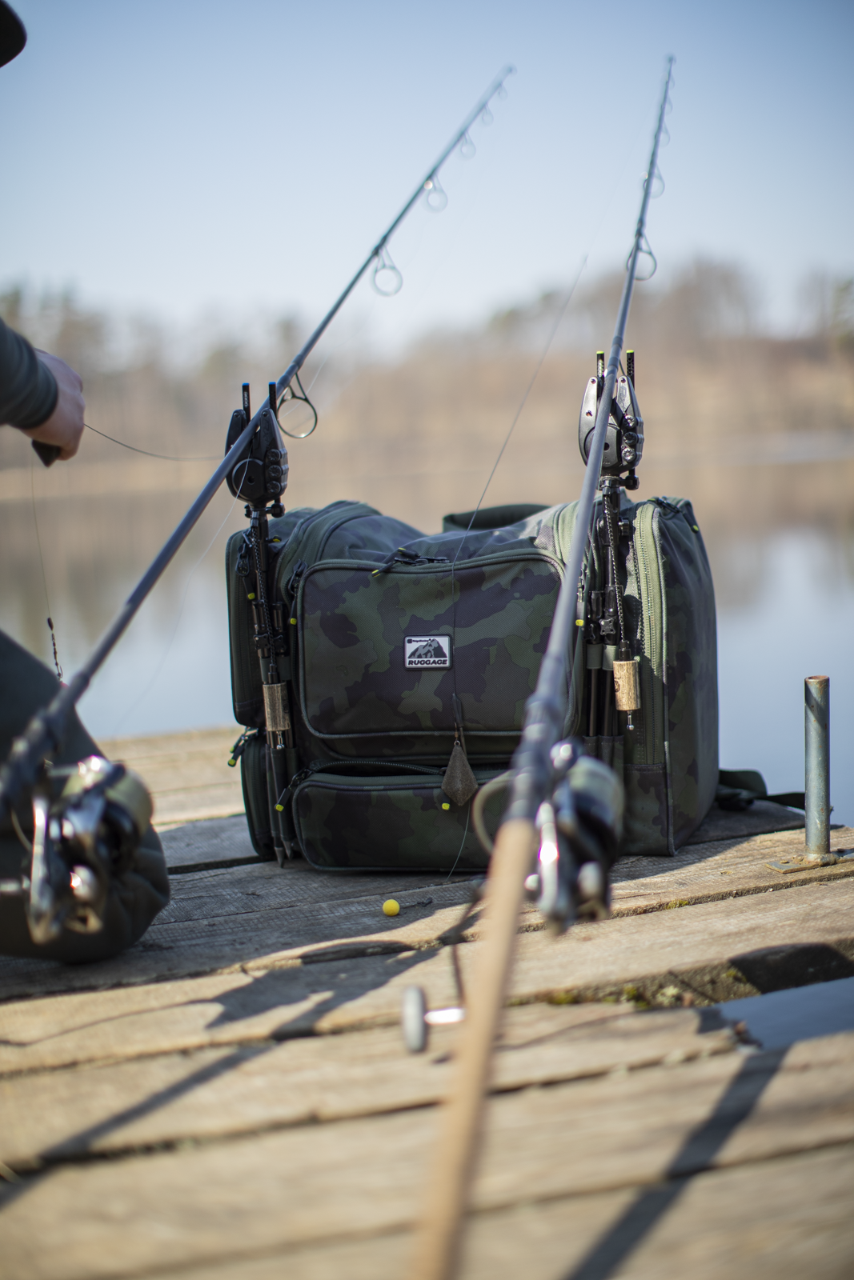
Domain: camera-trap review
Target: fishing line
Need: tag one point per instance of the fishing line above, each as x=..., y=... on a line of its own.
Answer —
x=516, y=418
x=462, y=844
x=44, y=575
x=524, y=399
x=535, y=375
x=597, y=232
x=167, y=457
x=319, y=371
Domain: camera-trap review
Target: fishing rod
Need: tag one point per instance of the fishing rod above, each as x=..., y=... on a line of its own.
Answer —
x=541, y=761
x=57, y=888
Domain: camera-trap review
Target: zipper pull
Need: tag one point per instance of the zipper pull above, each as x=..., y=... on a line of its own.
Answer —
x=292, y=588
x=294, y=580
x=240, y=746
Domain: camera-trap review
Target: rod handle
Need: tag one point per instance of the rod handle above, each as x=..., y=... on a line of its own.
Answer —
x=48, y=453
x=439, y=1234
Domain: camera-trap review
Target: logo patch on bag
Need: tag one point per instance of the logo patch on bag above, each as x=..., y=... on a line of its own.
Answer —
x=427, y=651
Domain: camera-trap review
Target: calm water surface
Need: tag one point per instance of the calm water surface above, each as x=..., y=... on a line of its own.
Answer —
x=798, y=621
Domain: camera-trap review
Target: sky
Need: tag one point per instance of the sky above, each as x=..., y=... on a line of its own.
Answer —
x=194, y=158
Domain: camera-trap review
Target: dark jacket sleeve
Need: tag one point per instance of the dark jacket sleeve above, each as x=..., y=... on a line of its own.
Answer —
x=28, y=389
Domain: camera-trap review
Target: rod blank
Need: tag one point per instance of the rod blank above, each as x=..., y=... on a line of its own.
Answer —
x=439, y=1234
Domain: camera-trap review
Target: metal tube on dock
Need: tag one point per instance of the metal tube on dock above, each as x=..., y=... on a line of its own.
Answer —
x=817, y=766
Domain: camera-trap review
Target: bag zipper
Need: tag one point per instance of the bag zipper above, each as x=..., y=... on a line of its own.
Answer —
x=422, y=567
x=321, y=766
x=649, y=589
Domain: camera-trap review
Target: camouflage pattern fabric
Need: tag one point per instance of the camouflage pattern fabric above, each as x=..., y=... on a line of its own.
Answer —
x=381, y=823
x=480, y=629
x=611, y=751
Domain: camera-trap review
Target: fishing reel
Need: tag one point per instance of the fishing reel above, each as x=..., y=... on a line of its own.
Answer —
x=579, y=829
x=624, y=435
x=260, y=476
x=88, y=820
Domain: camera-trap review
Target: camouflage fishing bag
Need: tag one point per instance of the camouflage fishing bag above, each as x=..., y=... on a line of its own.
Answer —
x=409, y=659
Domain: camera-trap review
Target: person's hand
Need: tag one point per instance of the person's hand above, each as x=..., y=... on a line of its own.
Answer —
x=64, y=427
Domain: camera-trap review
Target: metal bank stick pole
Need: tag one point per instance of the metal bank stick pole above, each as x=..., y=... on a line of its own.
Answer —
x=817, y=768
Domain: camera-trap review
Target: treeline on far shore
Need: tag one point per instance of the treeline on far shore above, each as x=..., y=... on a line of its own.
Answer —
x=758, y=430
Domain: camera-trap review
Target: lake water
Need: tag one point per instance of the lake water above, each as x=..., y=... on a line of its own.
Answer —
x=785, y=611
x=798, y=622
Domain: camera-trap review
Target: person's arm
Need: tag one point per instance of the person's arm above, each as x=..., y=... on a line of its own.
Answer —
x=28, y=390
x=40, y=394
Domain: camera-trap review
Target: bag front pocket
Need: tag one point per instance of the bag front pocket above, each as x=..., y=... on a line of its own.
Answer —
x=383, y=653
x=400, y=823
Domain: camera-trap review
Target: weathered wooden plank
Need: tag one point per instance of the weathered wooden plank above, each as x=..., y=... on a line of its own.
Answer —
x=190, y=804
x=214, y=842
x=264, y=886
x=221, y=1009
x=216, y=938
x=713, y=951
x=753, y=1223
x=699, y=874
x=187, y=773
x=215, y=1092
x=710, y=952
x=167, y=751
x=720, y=869
x=357, y=1177
x=148, y=1102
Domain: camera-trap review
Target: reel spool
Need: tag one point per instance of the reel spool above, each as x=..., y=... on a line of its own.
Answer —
x=88, y=820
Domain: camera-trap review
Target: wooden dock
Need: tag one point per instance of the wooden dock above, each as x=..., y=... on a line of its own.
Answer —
x=232, y=1099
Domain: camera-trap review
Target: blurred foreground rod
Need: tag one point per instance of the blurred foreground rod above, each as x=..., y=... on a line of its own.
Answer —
x=43, y=735
x=438, y=1238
